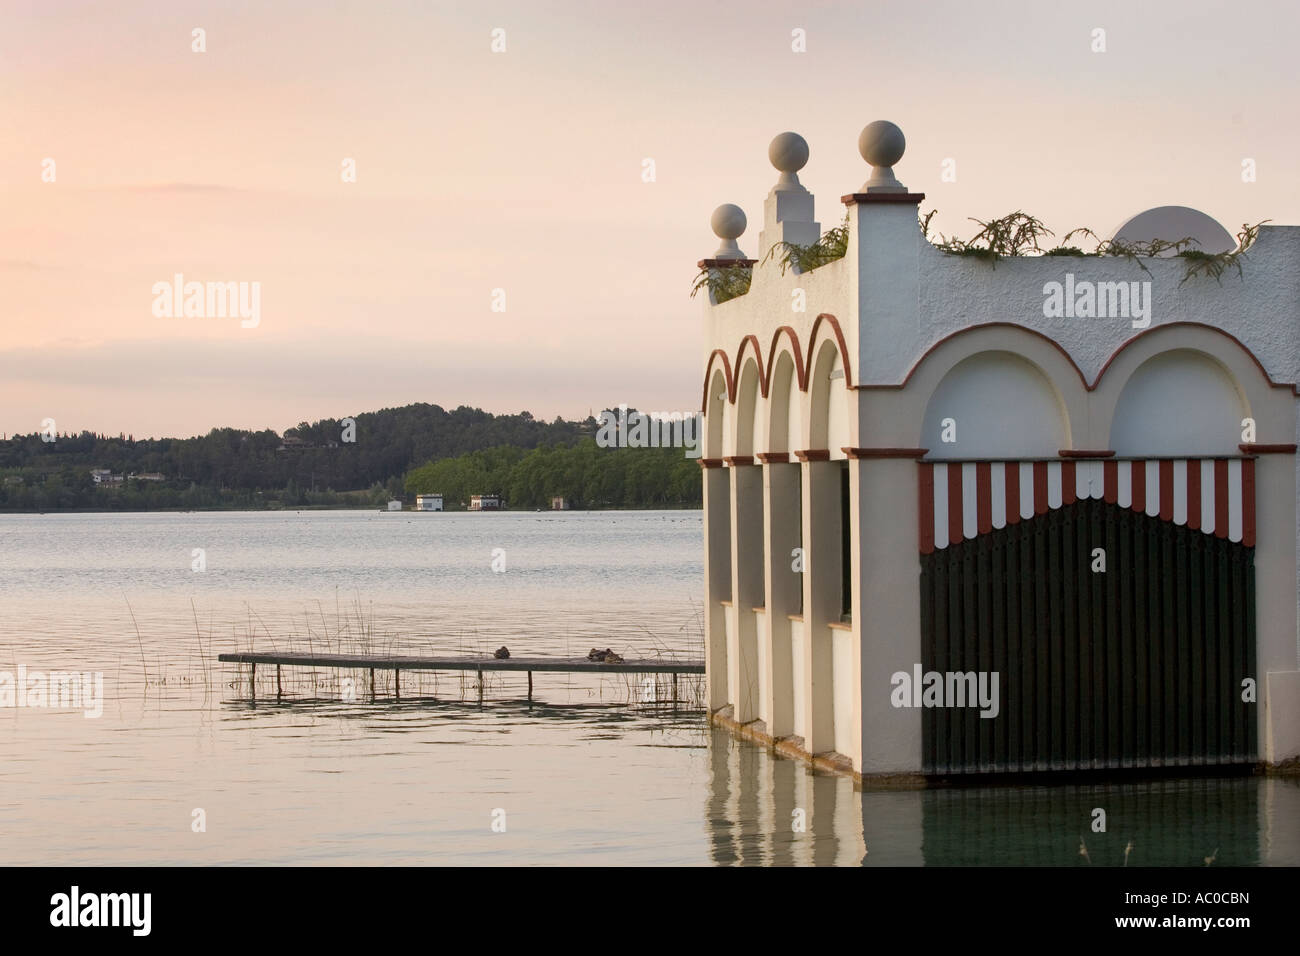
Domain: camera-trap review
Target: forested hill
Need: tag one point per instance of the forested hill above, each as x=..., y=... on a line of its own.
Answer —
x=228, y=466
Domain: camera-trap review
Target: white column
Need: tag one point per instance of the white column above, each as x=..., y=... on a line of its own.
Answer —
x=887, y=584
x=746, y=585
x=783, y=510
x=717, y=581
x=821, y=599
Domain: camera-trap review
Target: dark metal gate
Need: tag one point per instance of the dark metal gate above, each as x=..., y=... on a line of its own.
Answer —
x=1139, y=665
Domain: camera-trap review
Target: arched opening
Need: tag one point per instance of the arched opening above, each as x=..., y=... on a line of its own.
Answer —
x=829, y=413
x=748, y=416
x=784, y=411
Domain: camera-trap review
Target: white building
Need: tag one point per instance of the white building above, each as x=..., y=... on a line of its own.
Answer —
x=427, y=503
x=395, y=504
x=928, y=476
x=485, y=503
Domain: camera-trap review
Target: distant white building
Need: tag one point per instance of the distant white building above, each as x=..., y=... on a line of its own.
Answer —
x=559, y=504
x=427, y=503
x=395, y=505
x=485, y=503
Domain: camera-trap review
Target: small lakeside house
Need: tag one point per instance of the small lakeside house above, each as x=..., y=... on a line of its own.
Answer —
x=962, y=520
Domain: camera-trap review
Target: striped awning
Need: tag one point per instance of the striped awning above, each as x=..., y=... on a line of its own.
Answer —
x=961, y=500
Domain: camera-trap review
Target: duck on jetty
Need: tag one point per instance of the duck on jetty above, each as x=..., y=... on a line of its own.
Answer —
x=604, y=657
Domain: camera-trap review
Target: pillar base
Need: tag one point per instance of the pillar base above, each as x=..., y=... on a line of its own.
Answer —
x=830, y=762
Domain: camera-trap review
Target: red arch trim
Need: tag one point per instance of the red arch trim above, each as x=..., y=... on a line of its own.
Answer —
x=740, y=364
x=1197, y=325
x=1088, y=386
x=985, y=325
x=726, y=374
x=839, y=338
x=803, y=365
x=798, y=359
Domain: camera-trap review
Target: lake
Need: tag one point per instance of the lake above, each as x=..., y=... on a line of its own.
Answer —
x=597, y=770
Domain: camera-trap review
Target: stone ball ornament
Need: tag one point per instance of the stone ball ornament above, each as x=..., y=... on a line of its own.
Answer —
x=728, y=222
x=882, y=144
x=788, y=152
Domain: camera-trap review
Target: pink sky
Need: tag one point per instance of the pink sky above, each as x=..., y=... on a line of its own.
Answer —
x=522, y=171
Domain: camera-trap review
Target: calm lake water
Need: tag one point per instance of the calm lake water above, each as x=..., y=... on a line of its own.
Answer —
x=599, y=770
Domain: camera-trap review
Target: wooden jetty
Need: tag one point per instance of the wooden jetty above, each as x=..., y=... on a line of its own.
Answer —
x=567, y=665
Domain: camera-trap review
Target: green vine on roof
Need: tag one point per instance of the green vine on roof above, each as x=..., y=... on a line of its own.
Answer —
x=832, y=245
x=1020, y=234
x=728, y=282
x=723, y=282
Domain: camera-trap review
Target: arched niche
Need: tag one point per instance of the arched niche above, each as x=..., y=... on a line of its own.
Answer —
x=995, y=405
x=1181, y=402
x=828, y=425
x=748, y=412
x=785, y=411
x=717, y=417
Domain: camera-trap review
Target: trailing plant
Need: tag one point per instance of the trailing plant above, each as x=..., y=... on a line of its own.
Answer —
x=1214, y=264
x=1015, y=235
x=1135, y=252
x=832, y=245
x=925, y=223
x=724, y=282
x=1019, y=234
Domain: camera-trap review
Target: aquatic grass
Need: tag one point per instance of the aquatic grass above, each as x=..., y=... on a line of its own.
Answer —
x=143, y=666
x=352, y=629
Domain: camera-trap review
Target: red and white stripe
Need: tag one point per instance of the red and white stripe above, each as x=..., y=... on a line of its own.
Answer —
x=964, y=499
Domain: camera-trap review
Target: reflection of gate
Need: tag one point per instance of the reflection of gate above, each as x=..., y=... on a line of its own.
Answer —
x=1139, y=665
x=1152, y=823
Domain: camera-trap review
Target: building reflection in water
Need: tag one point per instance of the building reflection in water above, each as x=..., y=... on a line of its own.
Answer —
x=756, y=799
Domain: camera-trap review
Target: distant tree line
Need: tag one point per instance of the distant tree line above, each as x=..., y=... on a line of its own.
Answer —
x=329, y=463
x=585, y=475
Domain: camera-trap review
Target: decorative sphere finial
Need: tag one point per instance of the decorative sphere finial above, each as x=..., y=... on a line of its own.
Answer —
x=788, y=152
x=881, y=144
x=728, y=222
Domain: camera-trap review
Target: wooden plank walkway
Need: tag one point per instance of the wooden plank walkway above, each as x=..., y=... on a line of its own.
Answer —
x=476, y=664
x=560, y=664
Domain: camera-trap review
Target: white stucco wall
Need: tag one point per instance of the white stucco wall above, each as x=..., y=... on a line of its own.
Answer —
x=896, y=297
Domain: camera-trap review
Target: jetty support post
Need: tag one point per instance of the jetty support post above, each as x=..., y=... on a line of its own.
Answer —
x=278, y=692
x=252, y=683
x=530, y=687
x=397, y=683
x=372, y=685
